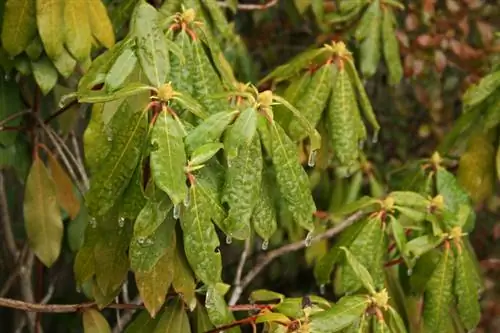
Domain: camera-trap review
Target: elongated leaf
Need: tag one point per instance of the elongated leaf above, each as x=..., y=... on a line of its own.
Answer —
x=133, y=200
x=391, y=46
x=438, y=295
x=153, y=214
x=45, y=74
x=143, y=323
x=113, y=176
x=449, y=188
x=204, y=153
x=102, y=29
x=478, y=93
x=65, y=63
x=174, y=319
x=291, y=178
x=210, y=186
x=422, y=271
x=169, y=158
x=78, y=35
x=466, y=290
x=42, y=218
x=183, y=282
x=94, y=322
x=370, y=44
x=121, y=69
x=99, y=96
x=342, y=314
x=241, y=189
x=64, y=188
x=153, y=285
x=19, y=25
x=145, y=252
x=241, y=133
x=360, y=271
x=200, y=239
x=410, y=199
x=217, y=309
x=95, y=138
x=313, y=102
x=202, y=322
x=49, y=17
x=151, y=48
x=264, y=214
x=422, y=244
x=396, y=323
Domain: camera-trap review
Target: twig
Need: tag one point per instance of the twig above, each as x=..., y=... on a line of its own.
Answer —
x=267, y=258
x=16, y=272
x=127, y=316
x=12, y=116
x=59, y=308
x=27, y=289
x=8, y=234
x=239, y=272
x=250, y=7
x=61, y=111
x=79, y=157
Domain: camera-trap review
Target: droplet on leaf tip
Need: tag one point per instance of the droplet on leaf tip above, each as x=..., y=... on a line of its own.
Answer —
x=409, y=271
x=141, y=240
x=265, y=245
x=121, y=221
x=312, y=158
x=375, y=137
x=322, y=289
x=229, y=239
x=309, y=238
x=187, y=200
x=177, y=212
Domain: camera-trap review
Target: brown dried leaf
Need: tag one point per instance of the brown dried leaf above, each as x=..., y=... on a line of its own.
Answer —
x=64, y=188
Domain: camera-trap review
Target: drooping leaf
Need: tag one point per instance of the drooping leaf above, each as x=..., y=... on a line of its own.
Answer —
x=42, y=217
x=479, y=92
x=422, y=244
x=99, y=96
x=111, y=179
x=396, y=323
x=174, y=319
x=370, y=44
x=143, y=323
x=204, y=153
x=78, y=35
x=102, y=29
x=346, y=311
x=49, y=17
x=97, y=138
x=64, y=188
x=121, y=69
x=183, y=282
x=151, y=47
x=65, y=63
x=217, y=309
x=45, y=74
x=202, y=322
x=133, y=200
x=391, y=46
x=169, y=158
x=264, y=214
x=241, y=133
x=200, y=239
x=94, y=322
x=359, y=270
x=241, y=189
x=449, y=188
x=19, y=25
x=153, y=214
x=422, y=271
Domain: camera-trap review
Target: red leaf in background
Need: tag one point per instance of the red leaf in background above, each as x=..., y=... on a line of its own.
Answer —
x=485, y=31
x=411, y=22
x=440, y=61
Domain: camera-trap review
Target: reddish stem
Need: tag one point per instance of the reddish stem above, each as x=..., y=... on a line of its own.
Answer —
x=393, y=262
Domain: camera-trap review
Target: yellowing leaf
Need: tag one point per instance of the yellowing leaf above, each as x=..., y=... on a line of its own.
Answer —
x=64, y=188
x=102, y=29
x=19, y=25
x=49, y=17
x=45, y=74
x=183, y=282
x=94, y=322
x=77, y=29
x=42, y=218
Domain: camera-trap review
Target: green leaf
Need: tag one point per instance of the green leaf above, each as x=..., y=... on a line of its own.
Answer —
x=479, y=92
x=45, y=74
x=95, y=138
x=365, y=204
x=99, y=96
x=94, y=322
x=102, y=29
x=133, y=200
x=241, y=133
x=449, y=188
x=264, y=214
x=210, y=182
x=345, y=312
x=110, y=181
x=370, y=42
x=183, y=282
x=174, y=319
x=42, y=217
x=191, y=105
x=75, y=231
x=396, y=323
x=153, y=214
x=399, y=235
x=19, y=25
x=359, y=270
x=78, y=35
x=121, y=69
x=241, y=188
x=145, y=252
x=391, y=46
x=202, y=154
x=151, y=47
x=313, y=101
x=217, y=309
x=422, y=271
x=422, y=244
x=153, y=285
x=49, y=17
x=202, y=322
x=466, y=290
x=267, y=296
x=410, y=199
x=34, y=49
x=142, y=323
x=438, y=295
x=200, y=239
x=169, y=158
x=65, y=64
x=292, y=179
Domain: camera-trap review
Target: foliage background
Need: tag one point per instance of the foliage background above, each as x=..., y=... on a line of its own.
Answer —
x=441, y=58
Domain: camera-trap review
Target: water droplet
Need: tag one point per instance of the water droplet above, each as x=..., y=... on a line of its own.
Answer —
x=217, y=249
x=265, y=245
x=375, y=137
x=312, y=158
x=141, y=240
x=409, y=271
x=322, y=289
x=6, y=77
x=149, y=242
x=121, y=221
x=78, y=289
x=309, y=238
x=229, y=239
x=187, y=200
x=177, y=212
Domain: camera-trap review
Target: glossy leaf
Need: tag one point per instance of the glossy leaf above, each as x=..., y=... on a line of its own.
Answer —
x=438, y=295
x=151, y=47
x=359, y=270
x=217, y=309
x=291, y=178
x=42, y=218
x=78, y=35
x=65, y=64
x=95, y=138
x=204, y=153
x=169, y=158
x=153, y=214
x=241, y=133
x=391, y=46
x=241, y=188
x=396, y=323
x=210, y=130
x=19, y=25
x=264, y=214
x=64, y=188
x=200, y=239
x=94, y=322
x=174, y=319
x=422, y=244
x=49, y=17
x=121, y=69
x=346, y=311
x=183, y=281
x=267, y=296
x=102, y=29
x=133, y=200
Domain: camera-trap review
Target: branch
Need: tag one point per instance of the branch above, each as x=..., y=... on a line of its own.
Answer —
x=8, y=234
x=59, y=308
x=267, y=258
x=11, y=117
x=250, y=7
x=239, y=272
